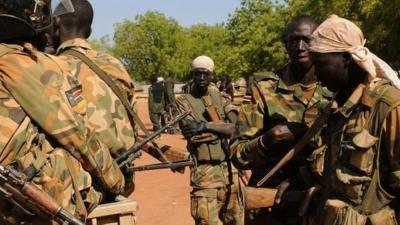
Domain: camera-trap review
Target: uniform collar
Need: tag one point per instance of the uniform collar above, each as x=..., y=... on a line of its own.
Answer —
x=364, y=94
x=297, y=91
x=74, y=43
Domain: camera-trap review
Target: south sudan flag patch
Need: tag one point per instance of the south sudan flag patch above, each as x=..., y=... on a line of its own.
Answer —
x=74, y=95
x=76, y=99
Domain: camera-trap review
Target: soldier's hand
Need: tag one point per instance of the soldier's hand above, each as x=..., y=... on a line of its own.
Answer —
x=193, y=128
x=283, y=136
x=281, y=190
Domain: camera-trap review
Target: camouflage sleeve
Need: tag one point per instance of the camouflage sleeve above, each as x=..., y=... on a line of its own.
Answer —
x=42, y=98
x=392, y=147
x=13, y=127
x=229, y=107
x=184, y=106
x=245, y=150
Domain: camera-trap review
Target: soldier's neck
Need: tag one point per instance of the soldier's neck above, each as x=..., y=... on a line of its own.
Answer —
x=199, y=92
x=301, y=74
x=66, y=36
x=356, y=77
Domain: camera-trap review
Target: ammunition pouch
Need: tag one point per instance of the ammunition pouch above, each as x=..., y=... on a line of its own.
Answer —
x=338, y=212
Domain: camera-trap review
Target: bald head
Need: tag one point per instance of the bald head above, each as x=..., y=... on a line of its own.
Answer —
x=299, y=20
x=79, y=22
x=298, y=36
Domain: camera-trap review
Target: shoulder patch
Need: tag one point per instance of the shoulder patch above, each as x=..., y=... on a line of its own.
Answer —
x=76, y=99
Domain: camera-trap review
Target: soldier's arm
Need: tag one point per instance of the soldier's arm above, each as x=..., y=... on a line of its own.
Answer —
x=183, y=106
x=391, y=142
x=245, y=149
x=47, y=105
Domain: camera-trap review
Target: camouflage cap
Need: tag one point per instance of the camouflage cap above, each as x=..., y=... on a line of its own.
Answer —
x=22, y=18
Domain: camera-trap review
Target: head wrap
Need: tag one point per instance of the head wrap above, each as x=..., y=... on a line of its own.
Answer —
x=160, y=79
x=337, y=34
x=203, y=62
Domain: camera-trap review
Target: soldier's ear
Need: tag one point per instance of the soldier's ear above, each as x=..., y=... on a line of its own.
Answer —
x=347, y=59
x=89, y=32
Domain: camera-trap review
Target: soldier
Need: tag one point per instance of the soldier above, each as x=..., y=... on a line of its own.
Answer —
x=170, y=101
x=108, y=104
x=362, y=170
x=156, y=102
x=226, y=87
x=42, y=131
x=273, y=118
x=105, y=114
x=214, y=181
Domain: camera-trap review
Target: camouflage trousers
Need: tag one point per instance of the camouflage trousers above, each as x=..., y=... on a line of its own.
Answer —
x=207, y=205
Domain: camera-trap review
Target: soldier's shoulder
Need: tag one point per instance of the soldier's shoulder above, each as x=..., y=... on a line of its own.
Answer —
x=265, y=76
x=10, y=50
x=267, y=81
x=182, y=97
x=386, y=92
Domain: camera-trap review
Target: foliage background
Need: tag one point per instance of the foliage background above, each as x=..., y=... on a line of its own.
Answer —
x=251, y=40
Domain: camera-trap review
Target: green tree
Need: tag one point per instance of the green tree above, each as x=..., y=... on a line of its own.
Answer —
x=102, y=44
x=211, y=41
x=256, y=29
x=151, y=45
x=378, y=19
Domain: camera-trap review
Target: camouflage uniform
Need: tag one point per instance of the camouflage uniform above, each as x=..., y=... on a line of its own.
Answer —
x=156, y=104
x=272, y=103
x=363, y=168
x=214, y=181
x=105, y=113
x=37, y=99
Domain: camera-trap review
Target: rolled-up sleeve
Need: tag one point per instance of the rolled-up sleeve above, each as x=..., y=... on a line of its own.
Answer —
x=245, y=151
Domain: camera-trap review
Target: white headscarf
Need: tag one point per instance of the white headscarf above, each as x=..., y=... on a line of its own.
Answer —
x=337, y=34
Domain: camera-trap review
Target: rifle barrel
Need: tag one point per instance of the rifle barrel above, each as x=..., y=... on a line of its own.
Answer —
x=158, y=166
x=121, y=160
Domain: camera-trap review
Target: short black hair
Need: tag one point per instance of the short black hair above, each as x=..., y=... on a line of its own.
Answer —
x=82, y=17
x=299, y=20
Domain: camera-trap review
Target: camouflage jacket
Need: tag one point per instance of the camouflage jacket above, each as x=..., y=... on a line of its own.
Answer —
x=273, y=102
x=39, y=122
x=104, y=112
x=362, y=148
x=52, y=98
x=212, y=171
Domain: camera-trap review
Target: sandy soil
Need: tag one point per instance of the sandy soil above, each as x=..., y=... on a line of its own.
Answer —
x=163, y=196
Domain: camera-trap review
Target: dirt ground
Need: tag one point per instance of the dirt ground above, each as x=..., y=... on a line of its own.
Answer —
x=162, y=196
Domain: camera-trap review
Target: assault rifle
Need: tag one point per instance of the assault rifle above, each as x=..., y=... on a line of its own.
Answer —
x=15, y=188
x=134, y=151
x=158, y=166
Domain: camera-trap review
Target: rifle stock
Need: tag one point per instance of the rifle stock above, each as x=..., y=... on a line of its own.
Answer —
x=16, y=189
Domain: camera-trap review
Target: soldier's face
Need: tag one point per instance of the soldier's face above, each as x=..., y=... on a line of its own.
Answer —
x=56, y=32
x=202, y=78
x=297, y=43
x=332, y=70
